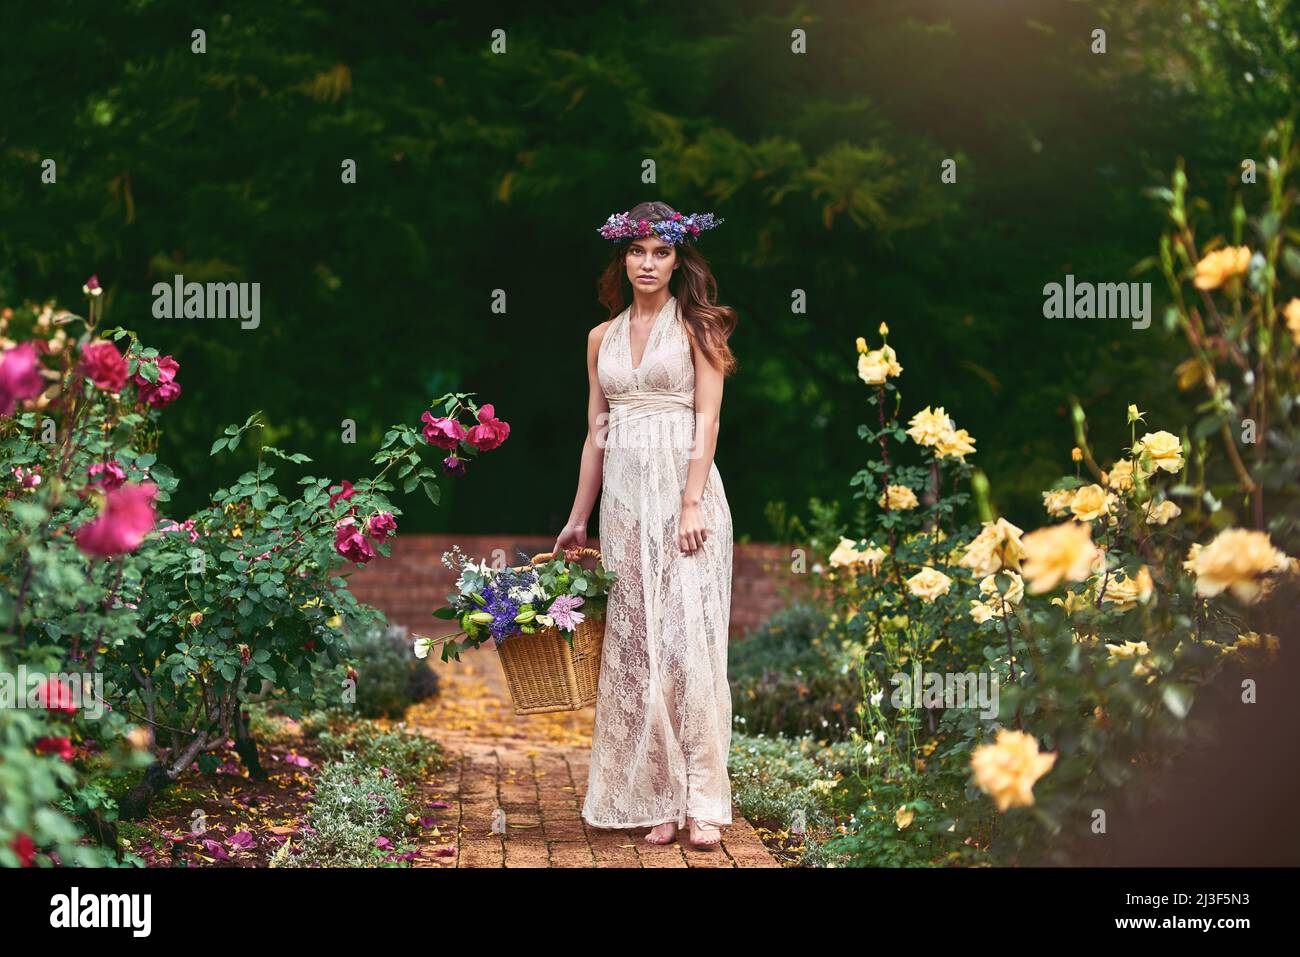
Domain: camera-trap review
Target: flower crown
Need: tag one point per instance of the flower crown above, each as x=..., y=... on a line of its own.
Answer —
x=678, y=229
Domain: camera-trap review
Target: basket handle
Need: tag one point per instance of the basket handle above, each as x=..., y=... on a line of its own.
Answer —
x=547, y=556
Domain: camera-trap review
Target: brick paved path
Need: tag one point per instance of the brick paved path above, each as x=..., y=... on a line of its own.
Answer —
x=534, y=767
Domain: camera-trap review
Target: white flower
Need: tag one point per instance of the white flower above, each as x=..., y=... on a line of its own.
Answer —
x=876, y=698
x=880, y=737
x=422, y=646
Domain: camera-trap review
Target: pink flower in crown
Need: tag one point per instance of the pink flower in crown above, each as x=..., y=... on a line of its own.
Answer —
x=444, y=432
x=127, y=517
x=165, y=390
x=20, y=376
x=351, y=544
x=490, y=432
x=92, y=287
x=379, y=525
x=103, y=365
x=107, y=475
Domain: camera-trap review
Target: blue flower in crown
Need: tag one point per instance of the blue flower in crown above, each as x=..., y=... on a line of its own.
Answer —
x=678, y=229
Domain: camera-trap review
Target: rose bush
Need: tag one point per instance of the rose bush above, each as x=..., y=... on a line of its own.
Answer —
x=179, y=623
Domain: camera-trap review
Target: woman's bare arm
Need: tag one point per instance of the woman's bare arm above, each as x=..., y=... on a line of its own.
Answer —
x=593, y=449
x=692, y=531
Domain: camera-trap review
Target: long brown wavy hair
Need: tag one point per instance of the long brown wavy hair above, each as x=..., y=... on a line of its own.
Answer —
x=708, y=324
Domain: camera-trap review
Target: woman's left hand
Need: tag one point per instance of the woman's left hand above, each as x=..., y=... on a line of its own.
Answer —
x=692, y=532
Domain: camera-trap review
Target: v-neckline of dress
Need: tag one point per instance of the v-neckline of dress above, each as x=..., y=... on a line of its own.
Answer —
x=649, y=339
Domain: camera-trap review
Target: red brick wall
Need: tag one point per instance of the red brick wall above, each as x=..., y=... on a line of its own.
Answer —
x=409, y=584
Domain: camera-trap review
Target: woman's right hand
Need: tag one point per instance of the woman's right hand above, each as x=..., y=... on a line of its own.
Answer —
x=573, y=536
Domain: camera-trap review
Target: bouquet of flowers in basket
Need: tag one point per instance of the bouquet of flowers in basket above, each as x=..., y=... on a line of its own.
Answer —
x=495, y=604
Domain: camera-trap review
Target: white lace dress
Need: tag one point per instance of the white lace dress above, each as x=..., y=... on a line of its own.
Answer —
x=663, y=713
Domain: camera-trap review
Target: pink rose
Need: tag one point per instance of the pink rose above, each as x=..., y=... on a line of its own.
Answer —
x=128, y=516
x=380, y=524
x=20, y=376
x=111, y=475
x=60, y=746
x=103, y=365
x=351, y=544
x=441, y=431
x=55, y=694
x=453, y=465
x=490, y=432
x=165, y=390
x=347, y=492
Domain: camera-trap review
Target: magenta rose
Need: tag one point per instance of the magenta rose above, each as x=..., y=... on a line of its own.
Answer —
x=20, y=376
x=107, y=475
x=380, y=524
x=490, y=432
x=55, y=694
x=453, y=465
x=103, y=365
x=347, y=492
x=165, y=390
x=51, y=745
x=351, y=544
x=127, y=517
x=441, y=431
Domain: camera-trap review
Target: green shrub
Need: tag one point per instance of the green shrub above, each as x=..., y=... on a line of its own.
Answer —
x=794, y=675
x=354, y=807
x=389, y=677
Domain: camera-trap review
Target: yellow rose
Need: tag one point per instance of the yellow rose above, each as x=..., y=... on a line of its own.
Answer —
x=1120, y=477
x=1076, y=454
x=1189, y=565
x=1014, y=594
x=997, y=546
x=956, y=443
x=1089, y=503
x=1292, y=314
x=1164, y=449
x=846, y=554
x=1125, y=592
x=928, y=584
x=1237, y=559
x=928, y=427
x=862, y=345
x=1057, y=502
x=873, y=369
x=1162, y=513
x=1131, y=649
x=1007, y=769
x=981, y=612
x=891, y=361
x=903, y=816
x=1071, y=603
x=901, y=498
x=1221, y=265
x=1058, y=553
x=884, y=330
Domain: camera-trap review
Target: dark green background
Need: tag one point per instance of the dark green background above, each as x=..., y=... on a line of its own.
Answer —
x=479, y=171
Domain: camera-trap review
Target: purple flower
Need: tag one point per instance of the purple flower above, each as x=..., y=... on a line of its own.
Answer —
x=453, y=465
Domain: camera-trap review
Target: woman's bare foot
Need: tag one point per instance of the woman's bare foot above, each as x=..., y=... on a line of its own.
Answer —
x=704, y=835
x=662, y=833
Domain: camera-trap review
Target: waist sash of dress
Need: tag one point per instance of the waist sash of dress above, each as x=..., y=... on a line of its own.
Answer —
x=646, y=402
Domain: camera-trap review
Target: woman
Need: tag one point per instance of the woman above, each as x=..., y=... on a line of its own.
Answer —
x=663, y=713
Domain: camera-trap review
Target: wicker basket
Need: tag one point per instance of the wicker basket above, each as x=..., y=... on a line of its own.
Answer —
x=544, y=673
